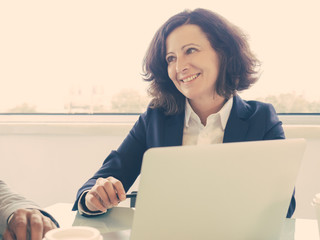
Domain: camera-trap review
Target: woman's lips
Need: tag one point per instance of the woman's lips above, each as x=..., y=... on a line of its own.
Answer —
x=190, y=78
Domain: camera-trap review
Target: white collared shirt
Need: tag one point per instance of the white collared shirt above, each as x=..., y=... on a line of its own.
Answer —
x=195, y=133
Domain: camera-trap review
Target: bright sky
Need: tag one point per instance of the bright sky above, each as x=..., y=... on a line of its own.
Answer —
x=51, y=48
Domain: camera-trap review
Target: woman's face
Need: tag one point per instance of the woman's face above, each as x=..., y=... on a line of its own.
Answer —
x=193, y=65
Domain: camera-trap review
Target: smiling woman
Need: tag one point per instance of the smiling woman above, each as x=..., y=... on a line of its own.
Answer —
x=77, y=56
x=181, y=74
x=193, y=65
x=206, y=57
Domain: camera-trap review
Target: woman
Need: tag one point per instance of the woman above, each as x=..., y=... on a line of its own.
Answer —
x=196, y=64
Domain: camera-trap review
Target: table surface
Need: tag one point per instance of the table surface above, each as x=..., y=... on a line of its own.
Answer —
x=116, y=224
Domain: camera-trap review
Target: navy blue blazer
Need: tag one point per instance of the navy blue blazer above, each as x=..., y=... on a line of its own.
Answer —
x=248, y=121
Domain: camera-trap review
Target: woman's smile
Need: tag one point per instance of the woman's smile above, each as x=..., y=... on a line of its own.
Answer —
x=190, y=78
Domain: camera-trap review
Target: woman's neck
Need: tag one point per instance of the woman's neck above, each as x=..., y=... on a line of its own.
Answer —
x=204, y=108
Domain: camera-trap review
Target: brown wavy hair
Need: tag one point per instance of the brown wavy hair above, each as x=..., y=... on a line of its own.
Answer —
x=237, y=63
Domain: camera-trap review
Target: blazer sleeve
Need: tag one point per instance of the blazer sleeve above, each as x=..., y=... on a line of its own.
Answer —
x=10, y=202
x=124, y=163
x=273, y=125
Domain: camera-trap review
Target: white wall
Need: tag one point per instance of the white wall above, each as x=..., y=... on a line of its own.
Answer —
x=49, y=161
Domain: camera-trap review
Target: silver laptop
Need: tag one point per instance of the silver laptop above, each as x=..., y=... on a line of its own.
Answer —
x=233, y=191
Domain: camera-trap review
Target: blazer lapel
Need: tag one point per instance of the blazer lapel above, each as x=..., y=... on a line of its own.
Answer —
x=237, y=125
x=174, y=130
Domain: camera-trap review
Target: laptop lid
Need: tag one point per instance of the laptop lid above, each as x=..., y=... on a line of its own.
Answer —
x=228, y=191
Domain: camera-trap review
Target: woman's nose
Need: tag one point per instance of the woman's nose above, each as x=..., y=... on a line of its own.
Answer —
x=181, y=65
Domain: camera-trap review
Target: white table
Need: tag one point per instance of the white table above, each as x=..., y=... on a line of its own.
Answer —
x=116, y=224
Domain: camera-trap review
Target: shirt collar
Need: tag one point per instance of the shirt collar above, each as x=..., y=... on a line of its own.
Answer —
x=188, y=110
x=224, y=112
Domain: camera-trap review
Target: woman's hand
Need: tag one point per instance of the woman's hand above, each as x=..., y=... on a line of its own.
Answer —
x=105, y=194
x=28, y=224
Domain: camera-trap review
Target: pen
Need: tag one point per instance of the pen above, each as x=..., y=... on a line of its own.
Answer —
x=131, y=195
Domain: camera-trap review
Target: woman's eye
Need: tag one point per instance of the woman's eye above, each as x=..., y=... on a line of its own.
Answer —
x=190, y=50
x=170, y=59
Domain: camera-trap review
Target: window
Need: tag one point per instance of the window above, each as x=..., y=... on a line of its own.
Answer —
x=86, y=56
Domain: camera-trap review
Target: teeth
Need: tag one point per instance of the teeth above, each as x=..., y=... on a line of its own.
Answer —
x=190, y=78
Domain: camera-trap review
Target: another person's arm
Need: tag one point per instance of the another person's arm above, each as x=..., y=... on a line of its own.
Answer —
x=21, y=218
